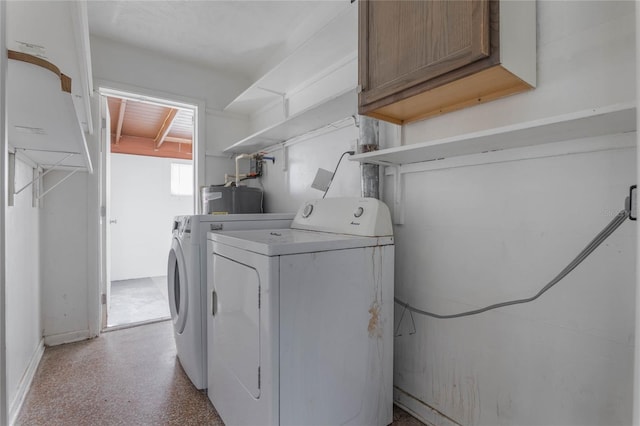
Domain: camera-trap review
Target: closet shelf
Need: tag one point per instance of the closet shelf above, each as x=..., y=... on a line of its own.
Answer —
x=614, y=119
x=42, y=120
x=57, y=32
x=329, y=111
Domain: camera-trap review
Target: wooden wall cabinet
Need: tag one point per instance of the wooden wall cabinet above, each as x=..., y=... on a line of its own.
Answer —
x=417, y=59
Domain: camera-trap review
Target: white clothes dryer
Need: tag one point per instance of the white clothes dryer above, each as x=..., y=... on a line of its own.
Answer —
x=187, y=283
x=301, y=319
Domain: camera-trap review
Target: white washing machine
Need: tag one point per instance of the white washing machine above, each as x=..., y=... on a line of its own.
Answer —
x=186, y=279
x=301, y=319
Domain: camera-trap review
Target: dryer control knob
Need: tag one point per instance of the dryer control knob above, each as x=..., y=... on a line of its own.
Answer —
x=359, y=211
x=307, y=210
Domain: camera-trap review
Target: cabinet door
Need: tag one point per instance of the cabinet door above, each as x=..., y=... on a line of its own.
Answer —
x=404, y=43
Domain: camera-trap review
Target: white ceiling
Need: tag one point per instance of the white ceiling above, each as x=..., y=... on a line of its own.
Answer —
x=245, y=37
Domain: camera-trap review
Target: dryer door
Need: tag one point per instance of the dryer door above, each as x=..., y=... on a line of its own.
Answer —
x=236, y=323
x=177, y=282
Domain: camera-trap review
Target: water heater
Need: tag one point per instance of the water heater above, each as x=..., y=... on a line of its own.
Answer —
x=230, y=200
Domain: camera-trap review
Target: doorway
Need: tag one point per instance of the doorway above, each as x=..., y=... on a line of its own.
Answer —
x=148, y=179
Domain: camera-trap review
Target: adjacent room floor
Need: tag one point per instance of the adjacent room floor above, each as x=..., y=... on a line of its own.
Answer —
x=138, y=300
x=124, y=377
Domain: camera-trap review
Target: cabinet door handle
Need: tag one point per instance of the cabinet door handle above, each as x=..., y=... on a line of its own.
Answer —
x=214, y=301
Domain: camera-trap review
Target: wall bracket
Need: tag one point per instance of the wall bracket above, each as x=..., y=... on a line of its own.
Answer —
x=38, y=176
x=285, y=100
x=71, y=173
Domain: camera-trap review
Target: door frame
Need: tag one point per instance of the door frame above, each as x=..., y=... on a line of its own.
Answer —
x=4, y=189
x=97, y=313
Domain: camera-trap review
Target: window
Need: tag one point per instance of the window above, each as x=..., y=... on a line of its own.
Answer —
x=181, y=179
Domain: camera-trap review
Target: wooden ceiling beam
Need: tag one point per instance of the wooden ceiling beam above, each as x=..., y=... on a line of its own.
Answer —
x=123, y=106
x=146, y=147
x=166, y=126
x=179, y=140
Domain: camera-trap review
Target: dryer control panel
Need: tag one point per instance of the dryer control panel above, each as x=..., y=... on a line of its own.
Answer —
x=366, y=217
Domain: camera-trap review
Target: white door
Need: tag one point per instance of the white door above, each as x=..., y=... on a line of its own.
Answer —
x=105, y=189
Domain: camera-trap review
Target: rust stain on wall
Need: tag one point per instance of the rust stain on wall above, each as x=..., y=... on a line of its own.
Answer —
x=373, y=328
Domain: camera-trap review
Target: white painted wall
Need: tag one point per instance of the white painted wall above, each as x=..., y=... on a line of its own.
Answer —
x=223, y=130
x=69, y=307
x=144, y=208
x=24, y=332
x=478, y=235
x=481, y=234
x=286, y=190
x=65, y=257
x=475, y=236
x=149, y=71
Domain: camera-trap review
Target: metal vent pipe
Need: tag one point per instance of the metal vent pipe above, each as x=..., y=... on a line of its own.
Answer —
x=368, y=141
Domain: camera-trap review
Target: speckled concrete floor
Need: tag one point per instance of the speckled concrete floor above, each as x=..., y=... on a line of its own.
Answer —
x=125, y=377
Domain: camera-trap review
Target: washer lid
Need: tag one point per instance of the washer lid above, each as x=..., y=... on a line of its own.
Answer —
x=275, y=242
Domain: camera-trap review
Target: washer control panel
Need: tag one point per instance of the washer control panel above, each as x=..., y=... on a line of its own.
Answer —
x=178, y=225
